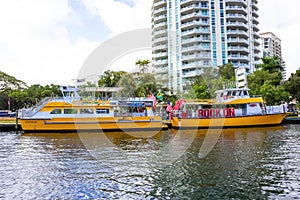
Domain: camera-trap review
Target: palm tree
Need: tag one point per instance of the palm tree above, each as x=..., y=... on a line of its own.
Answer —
x=143, y=65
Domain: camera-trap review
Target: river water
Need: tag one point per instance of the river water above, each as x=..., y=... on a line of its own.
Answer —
x=252, y=163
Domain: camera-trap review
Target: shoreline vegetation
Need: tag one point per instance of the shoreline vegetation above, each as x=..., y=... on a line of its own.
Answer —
x=266, y=81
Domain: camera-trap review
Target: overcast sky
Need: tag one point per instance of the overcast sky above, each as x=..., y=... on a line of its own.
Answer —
x=47, y=41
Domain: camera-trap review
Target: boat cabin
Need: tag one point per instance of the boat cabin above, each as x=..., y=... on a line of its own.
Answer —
x=232, y=94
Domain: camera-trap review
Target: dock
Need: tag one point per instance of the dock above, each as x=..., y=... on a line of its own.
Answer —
x=291, y=120
x=9, y=124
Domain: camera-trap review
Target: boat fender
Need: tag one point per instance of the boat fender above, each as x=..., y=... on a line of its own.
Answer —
x=225, y=97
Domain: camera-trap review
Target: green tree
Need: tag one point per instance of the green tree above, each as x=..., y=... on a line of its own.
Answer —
x=146, y=85
x=143, y=65
x=292, y=85
x=267, y=82
x=32, y=95
x=227, y=72
x=270, y=64
x=110, y=78
x=128, y=85
x=8, y=82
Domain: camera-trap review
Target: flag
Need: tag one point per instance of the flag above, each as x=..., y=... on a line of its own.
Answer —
x=178, y=104
x=8, y=103
x=159, y=96
x=151, y=96
x=169, y=107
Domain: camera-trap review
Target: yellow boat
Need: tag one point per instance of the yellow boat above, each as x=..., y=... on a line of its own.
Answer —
x=71, y=113
x=231, y=108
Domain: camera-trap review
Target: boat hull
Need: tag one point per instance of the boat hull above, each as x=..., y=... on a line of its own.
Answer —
x=244, y=121
x=84, y=124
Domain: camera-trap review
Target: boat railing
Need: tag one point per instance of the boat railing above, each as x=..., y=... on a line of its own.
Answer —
x=276, y=109
x=29, y=112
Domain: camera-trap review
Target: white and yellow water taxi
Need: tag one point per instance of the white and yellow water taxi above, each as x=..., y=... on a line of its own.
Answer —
x=231, y=108
x=72, y=113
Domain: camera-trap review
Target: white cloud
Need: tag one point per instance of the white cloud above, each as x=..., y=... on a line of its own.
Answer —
x=121, y=17
x=35, y=45
x=283, y=19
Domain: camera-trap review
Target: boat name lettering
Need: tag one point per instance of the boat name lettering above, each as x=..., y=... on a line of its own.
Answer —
x=215, y=113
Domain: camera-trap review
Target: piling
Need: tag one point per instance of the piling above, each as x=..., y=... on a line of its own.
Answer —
x=17, y=120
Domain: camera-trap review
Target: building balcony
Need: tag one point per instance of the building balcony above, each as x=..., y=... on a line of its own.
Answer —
x=159, y=11
x=254, y=14
x=193, y=48
x=237, y=41
x=237, y=33
x=237, y=17
x=195, y=31
x=192, y=24
x=186, y=2
x=237, y=2
x=192, y=8
x=255, y=28
x=191, y=74
x=193, y=16
x=161, y=70
x=257, y=57
x=238, y=49
x=161, y=47
x=256, y=49
x=236, y=9
x=255, y=34
x=185, y=41
x=254, y=6
x=238, y=57
x=256, y=42
x=196, y=56
x=160, y=33
x=160, y=18
x=161, y=3
x=160, y=62
x=255, y=21
x=237, y=64
x=160, y=25
x=160, y=55
x=160, y=40
x=240, y=25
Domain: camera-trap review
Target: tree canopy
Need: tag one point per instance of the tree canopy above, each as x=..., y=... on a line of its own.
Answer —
x=8, y=82
x=143, y=65
x=292, y=85
x=110, y=78
x=267, y=81
x=270, y=64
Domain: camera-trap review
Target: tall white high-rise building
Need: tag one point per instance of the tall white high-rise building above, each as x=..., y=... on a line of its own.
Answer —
x=271, y=46
x=189, y=35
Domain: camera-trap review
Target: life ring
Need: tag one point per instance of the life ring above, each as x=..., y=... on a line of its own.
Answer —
x=225, y=97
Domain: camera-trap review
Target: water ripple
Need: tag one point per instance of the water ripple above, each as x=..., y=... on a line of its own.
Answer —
x=255, y=163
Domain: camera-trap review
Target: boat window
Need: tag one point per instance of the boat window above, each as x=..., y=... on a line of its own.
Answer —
x=221, y=94
x=70, y=111
x=229, y=93
x=245, y=93
x=233, y=93
x=56, y=111
x=86, y=110
x=102, y=111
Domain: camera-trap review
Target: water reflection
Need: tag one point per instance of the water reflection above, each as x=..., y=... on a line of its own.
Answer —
x=253, y=163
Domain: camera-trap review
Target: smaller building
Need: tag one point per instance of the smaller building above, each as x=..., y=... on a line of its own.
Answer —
x=271, y=46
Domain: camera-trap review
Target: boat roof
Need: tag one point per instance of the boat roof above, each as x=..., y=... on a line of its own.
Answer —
x=234, y=101
x=232, y=89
